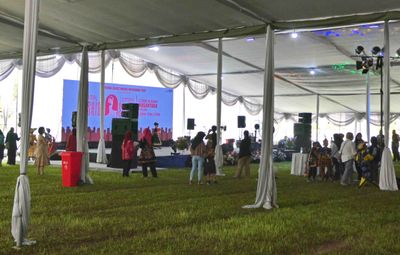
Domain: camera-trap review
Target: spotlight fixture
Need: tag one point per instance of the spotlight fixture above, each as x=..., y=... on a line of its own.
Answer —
x=154, y=48
x=375, y=50
x=398, y=52
x=250, y=39
x=312, y=72
x=294, y=35
x=359, y=49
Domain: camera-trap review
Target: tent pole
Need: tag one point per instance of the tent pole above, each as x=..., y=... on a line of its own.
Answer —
x=22, y=198
x=317, y=120
x=183, y=109
x=387, y=177
x=368, y=110
x=266, y=195
x=218, y=149
x=101, y=150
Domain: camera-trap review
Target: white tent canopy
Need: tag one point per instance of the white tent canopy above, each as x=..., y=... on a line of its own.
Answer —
x=66, y=24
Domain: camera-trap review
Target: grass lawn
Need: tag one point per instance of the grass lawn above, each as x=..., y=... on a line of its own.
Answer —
x=167, y=216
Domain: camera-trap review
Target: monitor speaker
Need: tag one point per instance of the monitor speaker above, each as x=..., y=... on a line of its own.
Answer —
x=305, y=117
x=302, y=136
x=241, y=121
x=190, y=124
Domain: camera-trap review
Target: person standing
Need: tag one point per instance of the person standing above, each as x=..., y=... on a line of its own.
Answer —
x=357, y=141
x=32, y=144
x=1, y=147
x=244, y=156
x=325, y=161
x=212, y=134
x=312, y=161
x=395, y=146
x=198, y=152
x=209, y=166
x=71, y=141
x=41, y=153
x=347, y=152
x=11, y=144
x=147, y=157
x=128, y=150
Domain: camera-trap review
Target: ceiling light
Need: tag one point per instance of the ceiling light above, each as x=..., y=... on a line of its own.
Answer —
x=250, y=39
x=294, y=35
x=398, y=52
x=359, y=49
x=154, y=48
x=312, y=71
x=375, y=50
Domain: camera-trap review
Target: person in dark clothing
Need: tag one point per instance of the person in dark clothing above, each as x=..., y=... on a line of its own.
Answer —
x=335, y=146
x=395, y=146
x=1, y=147
x=312, y=162
x=376, y=153
x=325, y=161
x=212, y=135
x=244, y=156
x=357, y=142
x=11, y=141
x=147, y=157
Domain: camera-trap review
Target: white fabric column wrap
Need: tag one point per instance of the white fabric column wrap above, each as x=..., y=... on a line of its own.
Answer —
x=22, y=205
x=266, y=196
x=218, y=155
x=101, y=149
x=82, y=117
x=387, y=177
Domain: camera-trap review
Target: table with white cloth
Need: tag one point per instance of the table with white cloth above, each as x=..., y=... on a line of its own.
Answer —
x=299, y=161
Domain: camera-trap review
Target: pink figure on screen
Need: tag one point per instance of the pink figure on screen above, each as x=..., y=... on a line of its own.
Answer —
x=111, y=104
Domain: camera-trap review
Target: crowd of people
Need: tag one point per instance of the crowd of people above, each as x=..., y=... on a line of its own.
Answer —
x=41, y=147
x=336, y=163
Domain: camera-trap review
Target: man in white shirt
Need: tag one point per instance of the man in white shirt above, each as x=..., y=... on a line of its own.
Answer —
x=347, y=152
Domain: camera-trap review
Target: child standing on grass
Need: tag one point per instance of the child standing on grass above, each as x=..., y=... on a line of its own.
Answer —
x=313, y=162
x=209, y=166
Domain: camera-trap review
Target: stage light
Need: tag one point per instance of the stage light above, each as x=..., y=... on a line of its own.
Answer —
x=154, y=48
x=250, y=39
x=294, y=35
x=359, y=49
x=312, y=72
x=375, y=50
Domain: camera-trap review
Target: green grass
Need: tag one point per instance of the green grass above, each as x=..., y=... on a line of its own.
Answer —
x=167, y=216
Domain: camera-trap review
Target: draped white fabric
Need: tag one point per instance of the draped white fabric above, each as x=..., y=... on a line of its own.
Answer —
x=6, y=68
x=266, y=196
x=101, y=149
x=219, y=160
x=219, y=108
x=387, y=177
x=82, y=118
x=21, y=208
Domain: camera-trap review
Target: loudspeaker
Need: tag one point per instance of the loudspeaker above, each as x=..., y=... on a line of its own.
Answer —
x=302, y=136
x=190, y=124
x=241, y=121
x=73, y=119
x=305, y=117
x=119, y=128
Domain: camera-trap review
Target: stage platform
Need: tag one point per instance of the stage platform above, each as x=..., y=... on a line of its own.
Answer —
x=164, y=155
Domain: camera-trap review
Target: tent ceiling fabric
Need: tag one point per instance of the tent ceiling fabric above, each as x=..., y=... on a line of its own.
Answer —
x=192, y=26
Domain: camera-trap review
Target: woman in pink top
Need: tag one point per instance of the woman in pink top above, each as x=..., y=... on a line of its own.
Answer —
x=128, y=150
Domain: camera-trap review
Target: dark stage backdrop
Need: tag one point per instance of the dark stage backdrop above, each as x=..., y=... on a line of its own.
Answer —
x=155, y=105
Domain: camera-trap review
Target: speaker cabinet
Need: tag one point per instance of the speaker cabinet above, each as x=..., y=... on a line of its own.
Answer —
x=190, y=124
x=302, y=136
x=305, y=117
x=241, y=121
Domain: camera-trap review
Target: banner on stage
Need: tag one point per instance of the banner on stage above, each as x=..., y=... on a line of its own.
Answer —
x=155, y=105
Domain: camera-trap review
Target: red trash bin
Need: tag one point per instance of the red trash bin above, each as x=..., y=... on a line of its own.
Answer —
x=71, y=168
